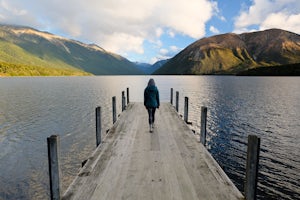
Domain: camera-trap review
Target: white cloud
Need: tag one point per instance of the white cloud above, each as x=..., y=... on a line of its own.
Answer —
x=214, y=30
x=170, y=51
x=157, y=43
x=115, y=25
x=12, y=9
x=158, y=58
x=265, y=14
x=159, y=32
x=222, y=18
x=121, y=39
x=217, y=12
x=166, y=53
x=155, y=59
x=283, y=21
x=175, y=49
x=171, y=34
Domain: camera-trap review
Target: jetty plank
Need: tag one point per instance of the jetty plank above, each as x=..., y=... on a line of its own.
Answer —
x=134, y=164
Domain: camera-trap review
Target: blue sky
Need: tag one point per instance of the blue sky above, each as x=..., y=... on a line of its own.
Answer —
x=149, y=30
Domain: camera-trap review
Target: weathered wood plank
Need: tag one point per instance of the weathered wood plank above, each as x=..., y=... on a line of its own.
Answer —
x=169, y=163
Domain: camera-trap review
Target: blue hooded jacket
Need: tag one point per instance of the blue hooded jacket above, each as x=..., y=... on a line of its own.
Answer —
x=151, y=95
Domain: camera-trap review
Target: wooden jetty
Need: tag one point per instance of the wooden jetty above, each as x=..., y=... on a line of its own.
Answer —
x=132, y=163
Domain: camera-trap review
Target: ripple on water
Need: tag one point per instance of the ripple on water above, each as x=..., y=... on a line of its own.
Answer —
x=32, y=109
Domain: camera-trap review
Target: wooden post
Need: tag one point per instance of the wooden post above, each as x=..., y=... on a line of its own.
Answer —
x=114, y=109
x=123, y=101
x=186, y=109
x=54, y=170
x=203, y=125
x=127, y=95
x=98, y=126
x=171, y=96
x=252, y=167
x=177, y=100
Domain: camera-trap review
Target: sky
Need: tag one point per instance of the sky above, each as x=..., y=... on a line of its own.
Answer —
x=149, y=30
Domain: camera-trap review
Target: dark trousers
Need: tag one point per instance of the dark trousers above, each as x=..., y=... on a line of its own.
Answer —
x=151, y=113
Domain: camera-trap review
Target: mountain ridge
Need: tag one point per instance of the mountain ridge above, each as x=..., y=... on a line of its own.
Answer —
x=30, y=49
x=232, y=53
x=148, y=68
x=27, y=46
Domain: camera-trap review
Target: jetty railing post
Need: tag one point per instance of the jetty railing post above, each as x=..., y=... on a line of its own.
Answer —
x=203, y=125
x=54, y=170
x=114, y=109
x=186, y=109
x=98, y=126
x=127, y=89
x=171, y=96
x=252, y=167
x=123, y=101
x=177, y=100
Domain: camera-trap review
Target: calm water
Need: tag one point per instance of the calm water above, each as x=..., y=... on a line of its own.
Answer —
x=32, y=109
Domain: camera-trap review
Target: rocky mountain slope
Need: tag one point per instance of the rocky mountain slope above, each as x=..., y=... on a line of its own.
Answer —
x=30, y=47
x=232, y=53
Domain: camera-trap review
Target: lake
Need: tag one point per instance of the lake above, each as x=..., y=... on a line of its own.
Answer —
x=34, y=108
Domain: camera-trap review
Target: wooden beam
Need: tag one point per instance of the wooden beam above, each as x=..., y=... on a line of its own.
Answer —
x=123, y=101
x=114, y=109
x=127, y=89
x=171, y=96
x=252, y=167
x=98, y=126
x=186, y=109
x=54, y=169
x=177, y=101
x=203, y=125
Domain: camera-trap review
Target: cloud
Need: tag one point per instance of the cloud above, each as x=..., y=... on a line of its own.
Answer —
x=222, y=18
x=175, y=49
x=214, y=30
x=217, y=12
x=159, y=32
x=170, y=51
x=122, y=39
x=266, y=14
x=12, y=9
x=166, y=53
x=115, y=25
x=171, y=34
x=283, y=21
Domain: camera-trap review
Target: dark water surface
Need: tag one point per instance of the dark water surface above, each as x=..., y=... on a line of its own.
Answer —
x=32, y=109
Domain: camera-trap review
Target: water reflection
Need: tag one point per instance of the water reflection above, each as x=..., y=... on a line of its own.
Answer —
x=32, y=109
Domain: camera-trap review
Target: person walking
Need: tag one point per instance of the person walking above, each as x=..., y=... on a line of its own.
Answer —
x=151, y=101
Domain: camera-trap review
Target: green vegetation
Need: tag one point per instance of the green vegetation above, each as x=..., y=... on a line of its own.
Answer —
x=221, y=60
x=11, y=53
x=282, y=70
x=8, y=69
x=23, y=48
x=231, y=54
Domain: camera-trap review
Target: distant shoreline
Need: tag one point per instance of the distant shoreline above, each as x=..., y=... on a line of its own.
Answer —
x=282, y=70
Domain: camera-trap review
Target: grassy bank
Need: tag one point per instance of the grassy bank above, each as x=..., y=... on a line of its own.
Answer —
x=8, y=69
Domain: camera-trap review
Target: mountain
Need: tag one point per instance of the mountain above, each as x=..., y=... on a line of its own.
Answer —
x=158, y=64
x=281, y=70
x=148, y=68
x=145, y=67
x=29, y=47
x=232, y=53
